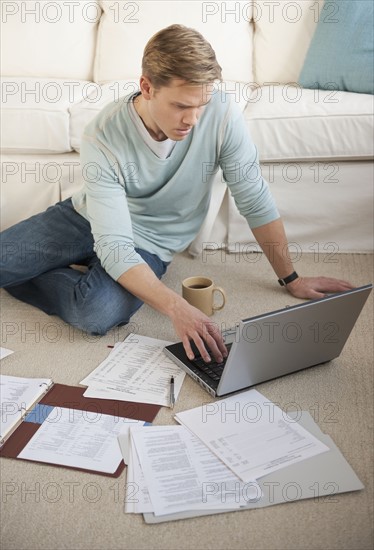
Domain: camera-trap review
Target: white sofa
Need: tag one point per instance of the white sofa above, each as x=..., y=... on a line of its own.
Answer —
x=63, y=61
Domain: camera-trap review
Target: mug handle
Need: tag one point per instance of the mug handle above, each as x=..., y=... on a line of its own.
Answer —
x=222, y=292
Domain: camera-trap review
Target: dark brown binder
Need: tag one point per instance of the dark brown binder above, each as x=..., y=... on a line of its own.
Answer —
x=71, y=397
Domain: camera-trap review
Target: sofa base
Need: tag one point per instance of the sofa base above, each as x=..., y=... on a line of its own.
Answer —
x=326, y=206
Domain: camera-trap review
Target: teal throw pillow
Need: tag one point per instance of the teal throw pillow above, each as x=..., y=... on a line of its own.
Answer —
x=341, y=53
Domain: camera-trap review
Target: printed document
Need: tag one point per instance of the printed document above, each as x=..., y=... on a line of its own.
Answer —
x=80, y=439
x=182, y=474
x=17, y=395
x=137, y=499
x=250, y=434
x=137, y=370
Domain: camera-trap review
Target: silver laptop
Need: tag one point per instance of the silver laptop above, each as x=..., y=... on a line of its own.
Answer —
x=277, y=343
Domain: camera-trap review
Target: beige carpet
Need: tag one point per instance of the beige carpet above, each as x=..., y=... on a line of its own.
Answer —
x=45, y=507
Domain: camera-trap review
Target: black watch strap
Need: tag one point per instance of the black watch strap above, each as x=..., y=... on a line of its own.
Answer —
x=289, y=279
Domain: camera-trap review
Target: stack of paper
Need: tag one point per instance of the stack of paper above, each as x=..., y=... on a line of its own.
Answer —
x=251, y=435
x=136, y=370
x=242, y=452
x=170, y=471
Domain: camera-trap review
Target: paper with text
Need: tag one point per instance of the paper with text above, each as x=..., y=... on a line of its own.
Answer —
x=17, y=395
x=79, y=439
x=182, y=474
x=136, y=370
x=250, y=434
x=137, y=499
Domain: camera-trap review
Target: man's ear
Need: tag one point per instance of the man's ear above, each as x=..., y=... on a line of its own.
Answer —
x=146, y=87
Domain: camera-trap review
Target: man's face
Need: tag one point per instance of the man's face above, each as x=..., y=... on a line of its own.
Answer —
x=172, y=111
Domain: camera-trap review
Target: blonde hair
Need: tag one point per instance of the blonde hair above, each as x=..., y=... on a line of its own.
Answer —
x=180, y=52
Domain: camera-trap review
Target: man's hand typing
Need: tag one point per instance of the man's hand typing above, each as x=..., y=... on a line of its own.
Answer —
x=189, y=323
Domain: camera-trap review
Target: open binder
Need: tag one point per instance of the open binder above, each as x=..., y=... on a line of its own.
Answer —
x=29, y=417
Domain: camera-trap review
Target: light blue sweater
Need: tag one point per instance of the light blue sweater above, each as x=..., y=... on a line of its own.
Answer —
x=132, y=198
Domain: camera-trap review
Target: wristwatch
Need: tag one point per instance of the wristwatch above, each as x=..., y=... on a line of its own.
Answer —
x=289, y=279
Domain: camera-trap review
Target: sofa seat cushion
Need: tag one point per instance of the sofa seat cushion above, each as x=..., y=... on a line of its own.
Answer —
x=35, y=114
x=99, y=96
x=291, y=123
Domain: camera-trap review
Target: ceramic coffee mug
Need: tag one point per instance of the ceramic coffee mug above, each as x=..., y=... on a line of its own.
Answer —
x=200, y=292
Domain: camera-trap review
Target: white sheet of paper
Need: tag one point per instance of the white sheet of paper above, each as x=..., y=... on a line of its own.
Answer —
x=250, y=434
x=137, y=499
x=17, y=395
x=4, y=352
x=79, y=439
x=182, y=474
x=136, y=370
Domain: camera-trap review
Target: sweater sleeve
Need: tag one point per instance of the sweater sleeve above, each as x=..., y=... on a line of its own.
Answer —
x=242, y=173
x=107, y=210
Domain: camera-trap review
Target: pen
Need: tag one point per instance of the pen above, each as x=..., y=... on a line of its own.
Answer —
x=172, y=396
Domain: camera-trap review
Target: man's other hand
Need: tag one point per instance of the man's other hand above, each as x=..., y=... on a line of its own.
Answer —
x=316, y=287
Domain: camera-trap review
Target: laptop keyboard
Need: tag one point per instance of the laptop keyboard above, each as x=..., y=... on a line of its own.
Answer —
x=212, y=370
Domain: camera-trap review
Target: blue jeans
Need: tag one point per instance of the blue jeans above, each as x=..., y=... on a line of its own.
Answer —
x=35, y=259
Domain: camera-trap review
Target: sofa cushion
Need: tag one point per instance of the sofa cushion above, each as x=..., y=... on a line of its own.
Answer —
x=282, y=34
x=83, y=112
x=292, y=123
x=35, y=114
x=49, y=39
x=126, y=27
x=341, y=54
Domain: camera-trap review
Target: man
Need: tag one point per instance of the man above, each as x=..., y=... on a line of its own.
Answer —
x=145, y=196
